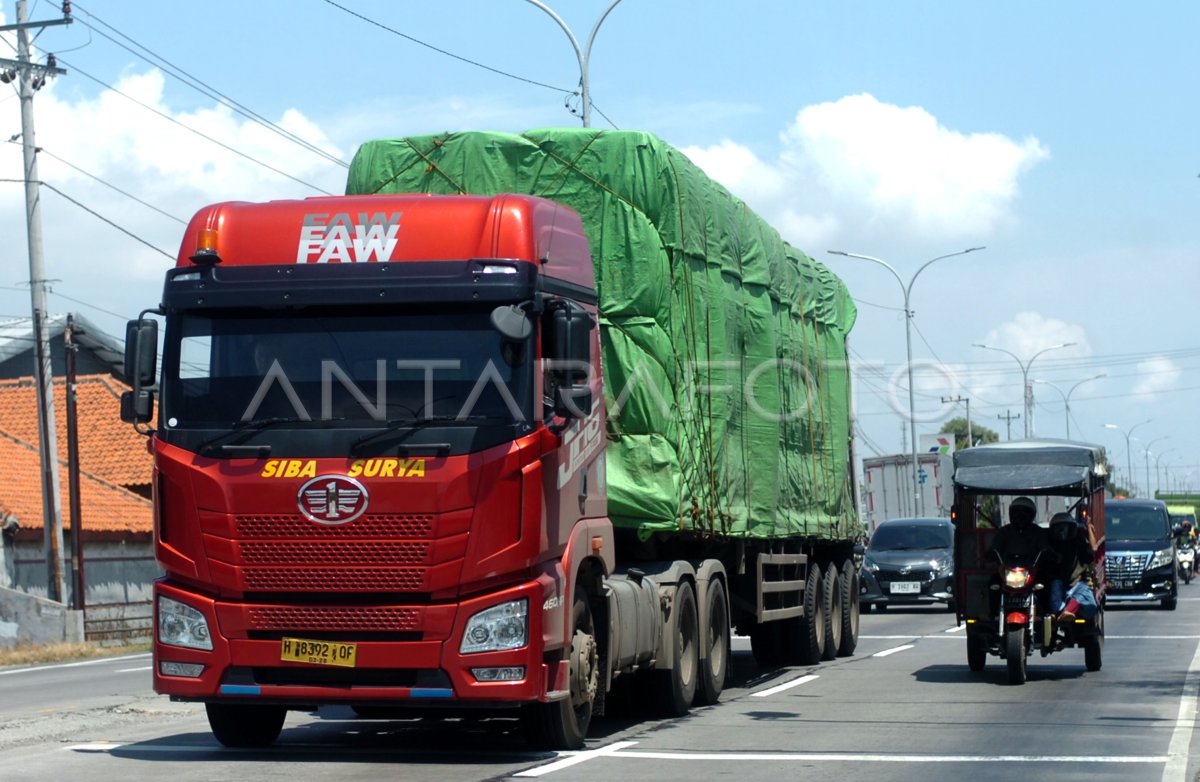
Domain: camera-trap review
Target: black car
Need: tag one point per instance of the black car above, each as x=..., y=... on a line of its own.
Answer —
x=908, y=562
x=1140, y=554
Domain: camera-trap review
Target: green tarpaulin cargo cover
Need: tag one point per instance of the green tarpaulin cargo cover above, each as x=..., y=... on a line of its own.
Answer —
x=724, y=348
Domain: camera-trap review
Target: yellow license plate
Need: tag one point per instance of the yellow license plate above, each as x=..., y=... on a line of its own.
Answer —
x=299, y=650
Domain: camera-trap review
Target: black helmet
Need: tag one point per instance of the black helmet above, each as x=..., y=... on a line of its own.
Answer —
x=1022, y=511
x=1062, y=527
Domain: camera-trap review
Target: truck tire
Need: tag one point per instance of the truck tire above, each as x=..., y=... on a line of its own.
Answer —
x=245, y=724
x=831, y=590
x=563, y=724
x=717, y=645
x=805, y=635
x=848, y=585
x=675, y=689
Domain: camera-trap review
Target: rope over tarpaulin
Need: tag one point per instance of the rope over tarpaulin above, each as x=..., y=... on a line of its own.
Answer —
x=724, y=355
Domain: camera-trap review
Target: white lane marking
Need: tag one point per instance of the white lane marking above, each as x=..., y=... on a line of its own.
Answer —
x=784, y=686
x=575, y=759
x=846, y=757
x=956, y=629
x=75, y=665
x=131, y=670
x=893, y=650
x=1185, y=721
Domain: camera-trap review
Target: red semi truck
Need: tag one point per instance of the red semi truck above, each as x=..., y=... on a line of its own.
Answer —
x=381, y=480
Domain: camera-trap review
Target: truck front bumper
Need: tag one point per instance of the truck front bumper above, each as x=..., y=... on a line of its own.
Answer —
x=416, y=661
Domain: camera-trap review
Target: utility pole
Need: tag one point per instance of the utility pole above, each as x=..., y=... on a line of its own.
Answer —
x=77, y=583
x=1008, y=418
x=967, y=401
x=32, y=76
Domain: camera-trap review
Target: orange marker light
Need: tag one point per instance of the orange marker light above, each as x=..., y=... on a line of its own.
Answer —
x=206, y=247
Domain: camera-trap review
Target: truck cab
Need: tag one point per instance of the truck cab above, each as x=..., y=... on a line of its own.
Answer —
x=378, y=461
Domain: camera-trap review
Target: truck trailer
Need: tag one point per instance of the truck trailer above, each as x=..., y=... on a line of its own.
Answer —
x=516, y=419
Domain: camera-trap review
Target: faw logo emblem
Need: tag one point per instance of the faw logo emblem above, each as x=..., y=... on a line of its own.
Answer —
x=348, y=238
x=332, y=499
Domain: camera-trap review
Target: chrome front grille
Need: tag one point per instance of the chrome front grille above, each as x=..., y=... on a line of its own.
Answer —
x=1126, y=567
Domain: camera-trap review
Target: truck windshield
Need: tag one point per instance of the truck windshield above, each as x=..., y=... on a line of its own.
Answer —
x=361, y=370
x=1135, y=523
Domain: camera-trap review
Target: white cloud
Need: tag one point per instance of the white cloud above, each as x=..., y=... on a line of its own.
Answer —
x=1030, y=332
x=1157, y=373
x=875, y=167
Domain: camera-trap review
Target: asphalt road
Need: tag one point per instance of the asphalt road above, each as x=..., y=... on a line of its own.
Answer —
x=903, y=707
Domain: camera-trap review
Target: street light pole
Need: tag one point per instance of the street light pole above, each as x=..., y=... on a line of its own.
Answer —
x=1067, y=397
x=1025, y=365
x=1128, y=447
x=582, y=55
x=1146, y=453
x=908, y=315
x=1158, y=471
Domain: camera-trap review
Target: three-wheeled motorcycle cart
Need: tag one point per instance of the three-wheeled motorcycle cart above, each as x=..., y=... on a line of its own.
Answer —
x=1005, y=606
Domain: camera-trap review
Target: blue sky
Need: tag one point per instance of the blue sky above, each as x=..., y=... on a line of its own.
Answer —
x=1063, y=136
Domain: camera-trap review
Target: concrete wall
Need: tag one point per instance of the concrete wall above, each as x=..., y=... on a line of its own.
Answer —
x=114, y=571
x=29, y=620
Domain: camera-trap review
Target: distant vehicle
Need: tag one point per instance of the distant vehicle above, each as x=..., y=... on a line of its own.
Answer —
x=888, y=487
x=1141, y=561
x=908, y=562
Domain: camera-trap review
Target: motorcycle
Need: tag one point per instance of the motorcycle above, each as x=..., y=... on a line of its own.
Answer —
x=1186, y=556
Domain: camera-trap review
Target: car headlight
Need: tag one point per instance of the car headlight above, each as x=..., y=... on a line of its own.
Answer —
x=941, y=565
x=1161, y=557
x=505, y=626
x=182, y=625
x=870, y=565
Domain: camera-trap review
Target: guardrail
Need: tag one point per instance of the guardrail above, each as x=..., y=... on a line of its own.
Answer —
x=113, y=624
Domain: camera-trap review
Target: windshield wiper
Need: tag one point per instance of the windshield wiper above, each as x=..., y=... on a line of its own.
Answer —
x=250, y=427
x=413, y=425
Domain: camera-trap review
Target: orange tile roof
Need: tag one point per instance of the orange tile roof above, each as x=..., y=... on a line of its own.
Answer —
x=104, y=507
x=109, y=448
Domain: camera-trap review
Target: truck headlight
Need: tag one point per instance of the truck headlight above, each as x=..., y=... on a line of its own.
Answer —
x=182, y=625
x=1161, y=557
x=494, y=629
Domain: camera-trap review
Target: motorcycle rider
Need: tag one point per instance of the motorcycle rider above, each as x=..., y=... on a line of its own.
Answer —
x=1021, y=540
x=1074, y=557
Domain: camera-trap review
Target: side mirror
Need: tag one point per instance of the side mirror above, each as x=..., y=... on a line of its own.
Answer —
x=572, y=339
x=512, y=322
x=137, y=407
x=573, y=401
x=141, y=352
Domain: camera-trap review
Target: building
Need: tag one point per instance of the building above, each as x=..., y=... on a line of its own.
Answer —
x=115, y=509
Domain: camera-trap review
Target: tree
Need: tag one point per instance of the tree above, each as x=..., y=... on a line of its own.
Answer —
x=958, y=428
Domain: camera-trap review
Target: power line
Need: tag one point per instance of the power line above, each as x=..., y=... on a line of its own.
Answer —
x=200, y=86
x=98, y=216
x=146, y=204
x=171, y=119
x=460, y=58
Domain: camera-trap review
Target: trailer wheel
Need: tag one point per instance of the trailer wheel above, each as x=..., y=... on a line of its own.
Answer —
x=675, y=689
x=716, y=663
x=806, y=634
x=832, y=608
x=848, y=586
x=245, y=724
x=563, y=724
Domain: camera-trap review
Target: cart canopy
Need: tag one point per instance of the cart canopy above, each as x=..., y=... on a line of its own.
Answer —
x=1030, y=467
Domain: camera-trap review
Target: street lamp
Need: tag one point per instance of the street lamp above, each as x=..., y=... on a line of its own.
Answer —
x=1128, y=448
x=1067, y=397
x=908, y=315
x=1157, y=471
x=582, y=55
x=1025, y=376
x=1146, y=452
